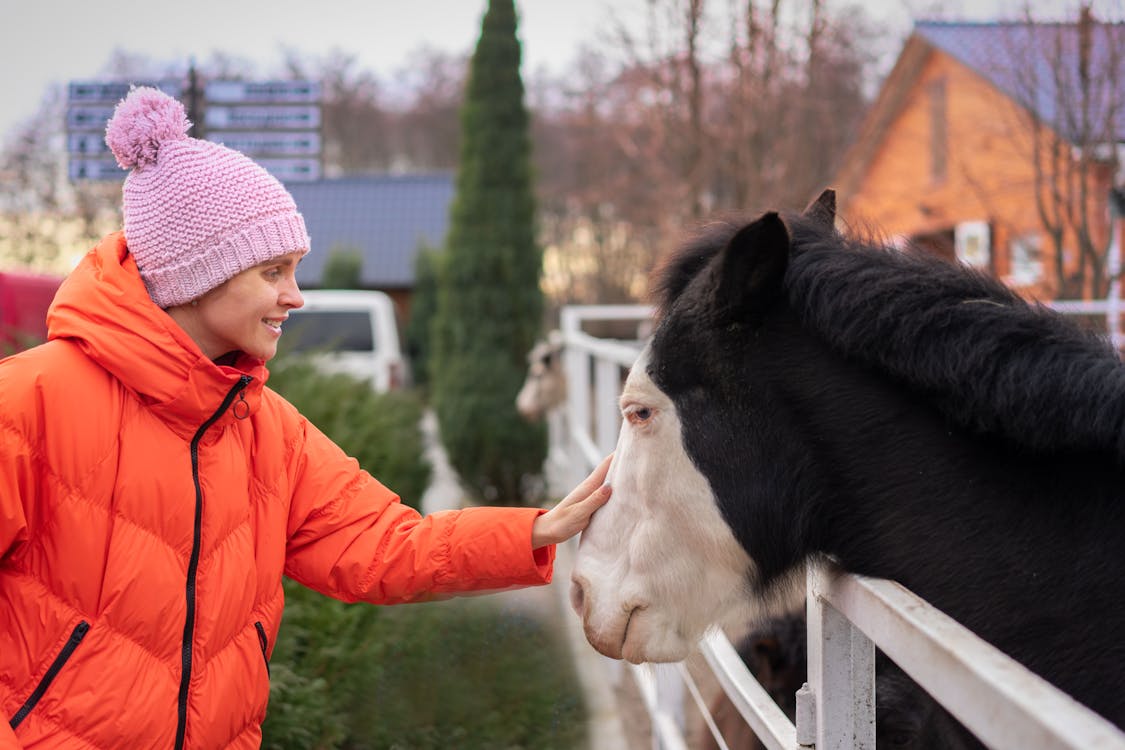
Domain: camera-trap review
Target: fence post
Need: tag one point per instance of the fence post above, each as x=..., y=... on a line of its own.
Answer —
x=841, y=670
x=607, y=386
x=670, y=700
x=577, y=368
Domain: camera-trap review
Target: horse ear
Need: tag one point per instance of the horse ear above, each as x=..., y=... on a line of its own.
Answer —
x=752, y=266
x=823, y=209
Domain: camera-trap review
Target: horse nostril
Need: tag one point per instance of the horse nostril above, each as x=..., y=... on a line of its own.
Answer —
x=577, y=598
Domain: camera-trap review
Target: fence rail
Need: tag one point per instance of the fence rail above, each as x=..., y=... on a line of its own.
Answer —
x=1110, y=309
x=996, y=698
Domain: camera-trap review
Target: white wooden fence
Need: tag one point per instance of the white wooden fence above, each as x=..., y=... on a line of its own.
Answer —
x=999, y=700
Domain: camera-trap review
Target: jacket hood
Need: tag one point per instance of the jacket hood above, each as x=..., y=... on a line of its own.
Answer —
x=104, y=308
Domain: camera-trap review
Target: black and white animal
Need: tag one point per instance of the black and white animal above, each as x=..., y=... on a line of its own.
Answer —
x=809, y=396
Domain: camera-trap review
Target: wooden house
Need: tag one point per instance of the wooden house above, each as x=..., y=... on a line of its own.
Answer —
x=998, y=144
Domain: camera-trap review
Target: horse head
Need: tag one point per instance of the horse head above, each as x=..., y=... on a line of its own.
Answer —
x=663, y=561
x=811, y=396
x=544, y=387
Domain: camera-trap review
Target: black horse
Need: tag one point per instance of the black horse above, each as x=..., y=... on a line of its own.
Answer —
x=808, y=396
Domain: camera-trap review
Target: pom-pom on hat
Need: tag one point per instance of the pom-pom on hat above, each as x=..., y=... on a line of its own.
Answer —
x=196, y=212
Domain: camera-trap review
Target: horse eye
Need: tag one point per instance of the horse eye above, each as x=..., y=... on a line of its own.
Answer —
x=639, y=416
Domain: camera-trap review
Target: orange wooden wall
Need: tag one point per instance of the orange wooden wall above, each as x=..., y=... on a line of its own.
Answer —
x=989, y=173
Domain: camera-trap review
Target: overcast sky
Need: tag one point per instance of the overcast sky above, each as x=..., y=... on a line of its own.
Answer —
x=55, y=41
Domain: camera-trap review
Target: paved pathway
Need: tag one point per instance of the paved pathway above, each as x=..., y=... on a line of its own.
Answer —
x=444, y=492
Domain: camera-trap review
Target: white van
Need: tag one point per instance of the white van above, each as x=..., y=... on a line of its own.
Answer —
x=349, y=330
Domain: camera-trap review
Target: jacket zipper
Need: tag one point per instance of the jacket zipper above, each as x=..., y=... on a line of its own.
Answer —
x=52, y=672
x=193, y=562
x=265, y=644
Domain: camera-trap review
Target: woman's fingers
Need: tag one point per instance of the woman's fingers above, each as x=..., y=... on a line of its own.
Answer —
x=572, y=514
x=592, y=482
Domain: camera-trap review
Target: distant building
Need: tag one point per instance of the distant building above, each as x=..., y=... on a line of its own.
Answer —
x=385, y=218
x=946, y=158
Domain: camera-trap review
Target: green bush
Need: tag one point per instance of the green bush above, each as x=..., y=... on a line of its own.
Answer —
x=423, y=307
x=14, y=342
x=457, y=674
x=321, y=652
x=465, y=674
x=380, y=430
x=343, y=268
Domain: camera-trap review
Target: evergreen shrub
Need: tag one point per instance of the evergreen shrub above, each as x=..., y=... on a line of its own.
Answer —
x=343, y=268
x=423, y=307
x=489, y=302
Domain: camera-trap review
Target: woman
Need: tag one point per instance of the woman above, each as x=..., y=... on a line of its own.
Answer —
x=153, y=491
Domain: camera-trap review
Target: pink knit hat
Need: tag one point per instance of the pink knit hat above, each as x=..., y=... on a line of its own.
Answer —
x=196, y=213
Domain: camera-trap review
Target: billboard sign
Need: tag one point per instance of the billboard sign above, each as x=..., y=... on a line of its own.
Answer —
x=291, y=170
x=90, y=105
x=262, y=92
x=88, y=117
x=258, y=143
x=98, y=92
x=277, y=123
x=86, y=143
x=80, y=168
x=254, y=117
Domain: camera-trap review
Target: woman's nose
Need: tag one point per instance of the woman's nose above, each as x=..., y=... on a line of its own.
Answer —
x=291, y=296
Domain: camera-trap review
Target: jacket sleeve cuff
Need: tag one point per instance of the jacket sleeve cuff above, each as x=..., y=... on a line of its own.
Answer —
x=490, y=548
x=543, y=557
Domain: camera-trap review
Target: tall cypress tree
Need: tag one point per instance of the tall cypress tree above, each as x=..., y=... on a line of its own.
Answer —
x=489, y=301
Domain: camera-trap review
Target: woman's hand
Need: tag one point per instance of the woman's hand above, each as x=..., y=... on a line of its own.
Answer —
x=573, y=513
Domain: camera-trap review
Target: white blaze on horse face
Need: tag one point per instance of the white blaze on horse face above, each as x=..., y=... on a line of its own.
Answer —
x=658, y=565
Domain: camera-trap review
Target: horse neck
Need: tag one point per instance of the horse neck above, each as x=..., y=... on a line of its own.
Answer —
x=892, y=475
x=1021, y=546
x=1041, y=398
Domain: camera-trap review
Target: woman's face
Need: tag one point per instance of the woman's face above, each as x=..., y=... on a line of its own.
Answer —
x=245, y=313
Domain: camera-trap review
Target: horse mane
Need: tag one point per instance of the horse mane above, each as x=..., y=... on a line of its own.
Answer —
x=671, y=277
x=989, y=361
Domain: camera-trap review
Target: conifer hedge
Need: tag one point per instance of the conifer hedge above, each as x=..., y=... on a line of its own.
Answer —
x=489, y=300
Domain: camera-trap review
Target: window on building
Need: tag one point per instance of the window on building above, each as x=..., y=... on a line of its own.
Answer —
x=1026, y=259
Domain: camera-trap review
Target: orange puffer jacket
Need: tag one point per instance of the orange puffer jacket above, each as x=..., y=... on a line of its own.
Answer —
x=150, y=502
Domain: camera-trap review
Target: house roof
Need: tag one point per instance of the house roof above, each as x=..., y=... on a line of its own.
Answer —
x=1037, y=66
x=385, y=217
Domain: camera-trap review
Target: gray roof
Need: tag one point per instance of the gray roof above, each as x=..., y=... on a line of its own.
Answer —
x=386, y=217
x=1023, y=61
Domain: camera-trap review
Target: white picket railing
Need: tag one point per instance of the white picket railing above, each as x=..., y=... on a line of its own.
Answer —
x=1110, y=308
x=997, y=699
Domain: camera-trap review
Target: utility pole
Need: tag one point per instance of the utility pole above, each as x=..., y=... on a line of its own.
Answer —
x=194, y=99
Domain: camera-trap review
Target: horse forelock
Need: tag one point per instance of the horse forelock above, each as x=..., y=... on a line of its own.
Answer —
x=673, y=276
